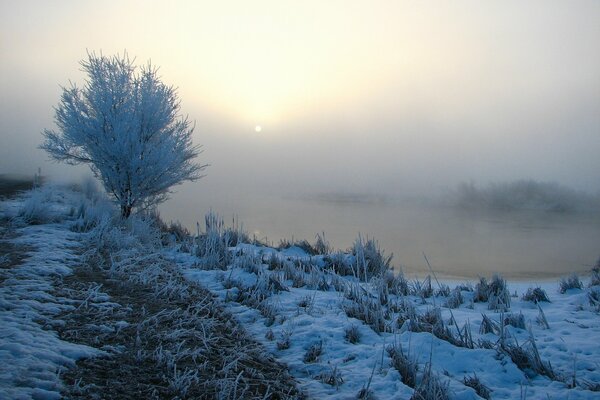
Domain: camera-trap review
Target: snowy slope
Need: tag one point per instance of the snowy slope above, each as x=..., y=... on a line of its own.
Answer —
x=306, y=316
x=31, y=354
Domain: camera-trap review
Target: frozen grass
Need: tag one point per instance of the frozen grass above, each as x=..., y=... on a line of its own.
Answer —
x=594, y=299
x=431, y=387
x=536, y=295
x=455, y=298
x=570, y=282
x=406, y=365
x=595, y=274
x=352, y=334
x=369, y=260
x=313, y=353
x=162, y=336
x=36, y=208
x=480, y=388
x=321, y=314
x=495, y=293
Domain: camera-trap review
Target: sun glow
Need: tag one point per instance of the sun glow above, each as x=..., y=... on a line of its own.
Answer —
x=278, y=69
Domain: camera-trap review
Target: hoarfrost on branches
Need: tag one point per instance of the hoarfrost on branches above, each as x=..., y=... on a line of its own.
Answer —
x=125, y=124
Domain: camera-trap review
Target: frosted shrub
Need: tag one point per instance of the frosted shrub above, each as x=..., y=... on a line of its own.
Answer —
x=144, y=229
x=431, y=321
x=527, y=358
x=91, y=213
x=570, y=282
x=363, y=307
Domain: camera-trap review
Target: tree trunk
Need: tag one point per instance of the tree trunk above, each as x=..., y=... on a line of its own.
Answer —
x=125, y=211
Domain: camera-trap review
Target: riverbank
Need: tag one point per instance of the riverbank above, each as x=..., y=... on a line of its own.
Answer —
x=219, y=314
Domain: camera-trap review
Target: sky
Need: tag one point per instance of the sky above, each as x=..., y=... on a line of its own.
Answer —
x=354, y=96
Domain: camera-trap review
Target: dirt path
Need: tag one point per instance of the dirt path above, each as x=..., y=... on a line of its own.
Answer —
x=160, y=347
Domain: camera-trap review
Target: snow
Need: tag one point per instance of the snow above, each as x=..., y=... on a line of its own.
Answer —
x=32, y=355
x=569, y=344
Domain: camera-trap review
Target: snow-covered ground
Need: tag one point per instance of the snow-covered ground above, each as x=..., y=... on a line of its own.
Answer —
x=341, y=337
x=309, y=316
x=305, y=326
x=31, y=354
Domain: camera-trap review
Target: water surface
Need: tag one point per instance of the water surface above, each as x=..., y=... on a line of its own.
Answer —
x=458, y=243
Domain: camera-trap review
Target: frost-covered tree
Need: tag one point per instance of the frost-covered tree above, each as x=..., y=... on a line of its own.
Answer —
x=125, y=124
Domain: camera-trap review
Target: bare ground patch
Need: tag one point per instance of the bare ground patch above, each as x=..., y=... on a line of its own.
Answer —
x=160, y=347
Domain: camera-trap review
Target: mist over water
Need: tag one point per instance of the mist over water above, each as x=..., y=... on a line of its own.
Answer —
x=459, y=242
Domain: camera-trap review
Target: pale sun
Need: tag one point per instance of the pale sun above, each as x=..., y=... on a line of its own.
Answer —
x=258, y=128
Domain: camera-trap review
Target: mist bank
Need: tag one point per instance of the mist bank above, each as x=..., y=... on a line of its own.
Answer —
x=524, y=195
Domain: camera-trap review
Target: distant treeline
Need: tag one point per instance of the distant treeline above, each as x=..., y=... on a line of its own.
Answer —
x=12, y=184
x=525, y=195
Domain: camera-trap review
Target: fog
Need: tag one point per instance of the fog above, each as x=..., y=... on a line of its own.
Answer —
x=398, y=99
